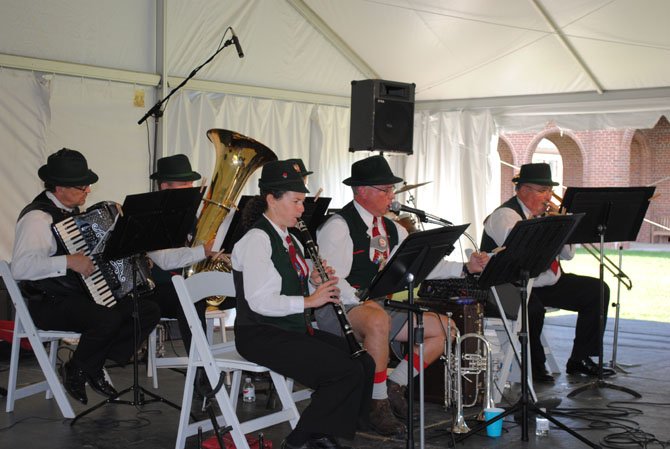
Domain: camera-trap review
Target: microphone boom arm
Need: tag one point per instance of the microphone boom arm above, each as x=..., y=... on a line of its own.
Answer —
x=156, y=109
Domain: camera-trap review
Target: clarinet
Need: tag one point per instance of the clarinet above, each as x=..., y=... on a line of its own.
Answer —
x=354, y=346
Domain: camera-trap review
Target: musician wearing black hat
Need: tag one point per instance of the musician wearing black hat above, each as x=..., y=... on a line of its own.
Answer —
x=175, y=172
x=49, y=280
x=275, y=288
x=356, y=242
x=553, y=288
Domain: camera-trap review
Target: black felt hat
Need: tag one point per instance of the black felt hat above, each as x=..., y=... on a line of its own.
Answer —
x=282, y=176
x=371, y=171
x=175, y=168
x=67, y=168
x=539, y=174
x=301, y=165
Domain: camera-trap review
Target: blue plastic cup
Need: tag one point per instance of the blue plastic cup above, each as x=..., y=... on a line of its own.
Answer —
x=493, y=430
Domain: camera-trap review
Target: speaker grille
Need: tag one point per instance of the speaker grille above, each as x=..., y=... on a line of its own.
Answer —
x=382, y=116
x=394, y=126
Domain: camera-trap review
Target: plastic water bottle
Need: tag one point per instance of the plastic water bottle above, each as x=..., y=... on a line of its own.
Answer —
x=541, y=425
x=248, y=391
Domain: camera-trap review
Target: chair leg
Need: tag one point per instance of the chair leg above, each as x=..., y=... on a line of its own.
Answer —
x=235, y=388
x=186, y=404
x=53, y=358
x=152, y=371
x=285, y=396
x=13, y=366
x=551, y=360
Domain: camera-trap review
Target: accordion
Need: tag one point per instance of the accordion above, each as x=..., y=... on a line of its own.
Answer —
x=112, y=279
x=465, y=287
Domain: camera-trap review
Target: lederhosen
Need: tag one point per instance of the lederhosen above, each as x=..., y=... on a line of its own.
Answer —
x=570, y=292
x=319, y=360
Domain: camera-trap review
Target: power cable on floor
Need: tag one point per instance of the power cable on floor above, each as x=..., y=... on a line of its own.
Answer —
x=616, y=416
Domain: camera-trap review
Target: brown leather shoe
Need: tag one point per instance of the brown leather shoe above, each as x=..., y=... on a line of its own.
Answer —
x=382, y=420
x=397, y=399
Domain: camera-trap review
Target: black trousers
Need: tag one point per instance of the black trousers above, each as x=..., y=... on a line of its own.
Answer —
x=580, y=294
x=106, y=332
x=165, y=297
x=342, y=385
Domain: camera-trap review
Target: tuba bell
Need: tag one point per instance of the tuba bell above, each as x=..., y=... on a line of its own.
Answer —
x=237, y=157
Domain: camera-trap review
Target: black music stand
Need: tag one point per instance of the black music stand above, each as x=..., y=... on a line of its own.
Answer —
x=529, y=249
x=613, y=214
x=150, y=221
x=412, y=261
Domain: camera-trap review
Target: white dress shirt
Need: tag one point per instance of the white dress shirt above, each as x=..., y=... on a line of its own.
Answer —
x=35, y=245
x=499, y=224
x=252, y=255
x=337, y=248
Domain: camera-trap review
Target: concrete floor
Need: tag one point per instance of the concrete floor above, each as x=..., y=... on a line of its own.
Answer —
x=598, y=415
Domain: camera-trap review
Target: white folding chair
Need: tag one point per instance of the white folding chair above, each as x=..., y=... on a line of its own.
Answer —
x=154, y=362
x=25, y=328
x=222, y=358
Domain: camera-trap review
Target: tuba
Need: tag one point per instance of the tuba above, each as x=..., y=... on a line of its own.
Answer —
x=237, y=157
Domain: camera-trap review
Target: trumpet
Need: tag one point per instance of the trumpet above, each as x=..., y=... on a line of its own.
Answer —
x=554, y=207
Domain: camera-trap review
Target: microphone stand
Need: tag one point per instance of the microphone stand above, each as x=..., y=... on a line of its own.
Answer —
x=156, y=109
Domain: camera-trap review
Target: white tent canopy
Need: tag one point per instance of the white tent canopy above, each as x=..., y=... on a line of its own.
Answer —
x=71, y=69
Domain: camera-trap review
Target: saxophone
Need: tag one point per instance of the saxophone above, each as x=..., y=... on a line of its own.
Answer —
x=237, y=157
x=354, y=346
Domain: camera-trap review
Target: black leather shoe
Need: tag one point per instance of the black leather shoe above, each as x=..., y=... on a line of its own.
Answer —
x=74, y=381
x=325, y=442
x=586, y=367
x=542, y=375
x=100, y=385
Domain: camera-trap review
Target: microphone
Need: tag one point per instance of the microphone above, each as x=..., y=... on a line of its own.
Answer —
x=397, y=207
x=236, y=41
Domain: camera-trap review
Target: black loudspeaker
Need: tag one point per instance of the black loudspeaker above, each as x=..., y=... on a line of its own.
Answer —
x=382, y=116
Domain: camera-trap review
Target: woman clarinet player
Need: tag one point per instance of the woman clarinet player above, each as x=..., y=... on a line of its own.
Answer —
x=275, y=291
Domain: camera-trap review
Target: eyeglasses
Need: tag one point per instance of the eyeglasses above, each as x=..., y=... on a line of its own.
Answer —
x=80, y=188
x=388, y=190
x=540, y=190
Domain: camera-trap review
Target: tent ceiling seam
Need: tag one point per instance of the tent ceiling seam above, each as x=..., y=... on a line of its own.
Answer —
x=566, y=43
x=331, y=36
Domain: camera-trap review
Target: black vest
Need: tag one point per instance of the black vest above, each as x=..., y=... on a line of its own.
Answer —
x=57, y=286
x=363, y=270
x=488, y=244
x=291, y=285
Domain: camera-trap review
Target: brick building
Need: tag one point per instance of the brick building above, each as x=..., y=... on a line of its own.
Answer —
x=606, y=158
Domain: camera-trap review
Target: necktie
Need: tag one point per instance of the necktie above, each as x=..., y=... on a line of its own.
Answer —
x=299, y=264
x=555, y=265
x=301, y=268
x=378, y=243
